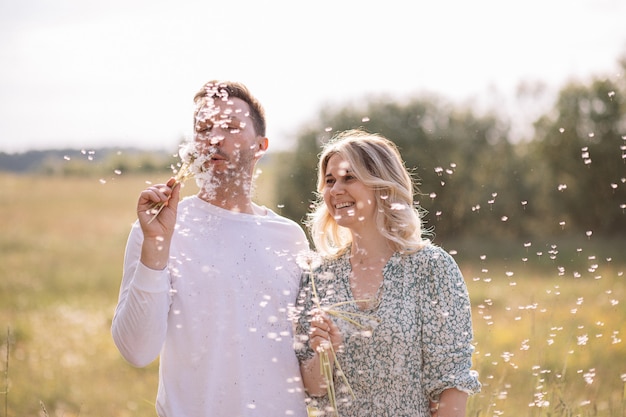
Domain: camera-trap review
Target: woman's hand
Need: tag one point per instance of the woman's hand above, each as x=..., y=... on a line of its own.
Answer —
x=324, y=332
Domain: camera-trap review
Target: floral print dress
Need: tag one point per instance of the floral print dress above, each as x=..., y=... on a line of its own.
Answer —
x=414, y=344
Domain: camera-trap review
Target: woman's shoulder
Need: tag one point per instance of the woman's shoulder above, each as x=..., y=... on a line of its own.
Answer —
x=430, y=252
x=431, y=260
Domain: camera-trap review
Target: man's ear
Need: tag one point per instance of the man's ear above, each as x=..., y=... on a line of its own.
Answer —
x=263, y=144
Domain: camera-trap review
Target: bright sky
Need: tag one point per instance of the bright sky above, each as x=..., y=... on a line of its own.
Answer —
x=86, y=74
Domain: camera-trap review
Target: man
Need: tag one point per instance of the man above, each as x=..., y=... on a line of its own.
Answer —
x=208, y=282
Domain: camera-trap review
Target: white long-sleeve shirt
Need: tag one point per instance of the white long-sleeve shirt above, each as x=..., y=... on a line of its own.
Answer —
x=217, y=315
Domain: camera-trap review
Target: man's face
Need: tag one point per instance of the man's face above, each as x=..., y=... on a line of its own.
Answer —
x=224, y=130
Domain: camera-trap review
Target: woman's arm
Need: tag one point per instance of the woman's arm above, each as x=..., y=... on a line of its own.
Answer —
x=452, y=403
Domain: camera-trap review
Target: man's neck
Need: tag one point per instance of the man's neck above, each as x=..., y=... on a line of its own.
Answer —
x=229, y=195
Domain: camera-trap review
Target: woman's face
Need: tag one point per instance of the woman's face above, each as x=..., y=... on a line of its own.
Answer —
x=351, y=203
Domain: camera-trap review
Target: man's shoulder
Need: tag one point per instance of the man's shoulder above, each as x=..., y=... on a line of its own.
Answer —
x=272, y=215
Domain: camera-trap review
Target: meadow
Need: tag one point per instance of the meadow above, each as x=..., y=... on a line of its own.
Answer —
x=549, y=315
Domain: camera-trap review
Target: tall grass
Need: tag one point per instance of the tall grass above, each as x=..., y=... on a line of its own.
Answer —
x=549, y=327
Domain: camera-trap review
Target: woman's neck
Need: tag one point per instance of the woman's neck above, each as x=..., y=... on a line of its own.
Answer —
x=370, y=249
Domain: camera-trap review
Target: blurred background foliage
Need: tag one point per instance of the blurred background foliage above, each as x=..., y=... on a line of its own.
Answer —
x=570, y=175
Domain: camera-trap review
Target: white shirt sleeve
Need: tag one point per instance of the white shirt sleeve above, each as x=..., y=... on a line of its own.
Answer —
x=140, y=320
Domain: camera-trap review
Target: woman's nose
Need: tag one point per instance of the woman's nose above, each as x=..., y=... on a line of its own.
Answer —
x=336, y=188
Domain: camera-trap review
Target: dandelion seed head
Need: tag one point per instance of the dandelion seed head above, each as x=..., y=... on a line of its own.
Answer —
x=308, y=260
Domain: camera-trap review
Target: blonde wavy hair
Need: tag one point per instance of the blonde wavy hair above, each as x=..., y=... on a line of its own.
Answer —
x=377, y=163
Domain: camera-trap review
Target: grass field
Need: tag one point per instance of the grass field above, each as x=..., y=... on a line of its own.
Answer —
x=549, y=316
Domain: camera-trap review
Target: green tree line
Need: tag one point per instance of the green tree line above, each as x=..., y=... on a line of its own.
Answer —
x=473, y=179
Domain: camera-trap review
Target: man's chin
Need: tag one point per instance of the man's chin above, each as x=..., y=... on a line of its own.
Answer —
x=202, y=178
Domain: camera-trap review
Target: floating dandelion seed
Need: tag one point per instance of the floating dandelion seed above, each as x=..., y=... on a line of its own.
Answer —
x=328, y=129
x=588, y=233
x=365, y=119
x=562, y=187
x=67, y=158
x=118, y=172
x=589, y=376
x=561, y=129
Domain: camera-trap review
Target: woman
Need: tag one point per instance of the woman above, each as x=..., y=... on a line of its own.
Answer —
x=403, y=340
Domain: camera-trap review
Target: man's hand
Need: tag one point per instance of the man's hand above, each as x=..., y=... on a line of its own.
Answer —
x=158, y=232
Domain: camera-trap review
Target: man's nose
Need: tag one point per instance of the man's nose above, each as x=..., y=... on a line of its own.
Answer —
x=211, y=137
